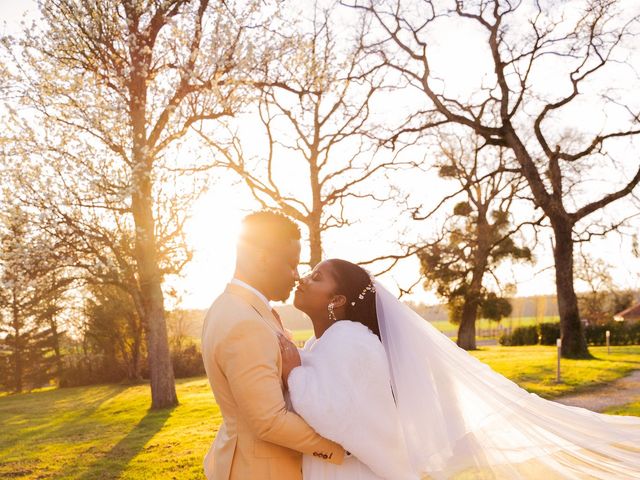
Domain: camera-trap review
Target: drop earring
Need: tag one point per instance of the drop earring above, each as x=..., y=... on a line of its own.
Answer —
x=332, y=316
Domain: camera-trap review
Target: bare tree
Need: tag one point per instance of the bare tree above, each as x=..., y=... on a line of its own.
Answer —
x=477, y=237
x=602, y=298
x=543, y=59
x=120, y=83
x=316, y=113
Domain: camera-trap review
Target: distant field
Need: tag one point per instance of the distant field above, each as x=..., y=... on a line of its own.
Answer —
x=107, y=431
x=484, y=328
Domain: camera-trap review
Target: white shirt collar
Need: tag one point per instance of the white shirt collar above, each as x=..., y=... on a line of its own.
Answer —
x=257, y=292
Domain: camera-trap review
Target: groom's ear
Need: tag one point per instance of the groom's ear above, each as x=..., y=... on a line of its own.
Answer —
x=339, y=301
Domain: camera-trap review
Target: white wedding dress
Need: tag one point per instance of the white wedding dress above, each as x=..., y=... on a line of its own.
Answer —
x=343, y=390
x=458, y=418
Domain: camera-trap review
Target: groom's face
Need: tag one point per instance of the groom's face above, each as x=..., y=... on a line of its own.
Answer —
x=282, y=269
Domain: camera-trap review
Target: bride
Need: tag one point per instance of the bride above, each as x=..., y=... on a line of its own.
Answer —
x=407, y=403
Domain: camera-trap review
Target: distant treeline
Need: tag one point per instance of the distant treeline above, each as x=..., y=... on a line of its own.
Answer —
x=535, y=306
x=540, y=306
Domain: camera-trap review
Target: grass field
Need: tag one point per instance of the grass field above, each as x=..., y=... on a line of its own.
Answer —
x=534, y=367
x=630, y=409
x=107, y=431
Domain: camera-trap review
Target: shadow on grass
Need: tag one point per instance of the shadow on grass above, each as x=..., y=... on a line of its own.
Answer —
x=114, y=462
x=36, y=417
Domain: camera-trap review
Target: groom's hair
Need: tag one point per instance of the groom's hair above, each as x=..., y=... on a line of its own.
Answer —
x=267, y=228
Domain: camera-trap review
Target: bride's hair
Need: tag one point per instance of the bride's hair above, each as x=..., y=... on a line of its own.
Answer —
x=353, y=282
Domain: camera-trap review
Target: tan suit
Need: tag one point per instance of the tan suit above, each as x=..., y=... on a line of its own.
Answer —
x=259, y=438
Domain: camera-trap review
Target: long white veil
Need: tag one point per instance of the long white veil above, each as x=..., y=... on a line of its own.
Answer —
x=463, y=420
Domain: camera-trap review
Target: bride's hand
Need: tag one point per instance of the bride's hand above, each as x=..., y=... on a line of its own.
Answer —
x=290, y=357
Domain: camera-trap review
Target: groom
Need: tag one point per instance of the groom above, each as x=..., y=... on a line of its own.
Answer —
x=259, y=438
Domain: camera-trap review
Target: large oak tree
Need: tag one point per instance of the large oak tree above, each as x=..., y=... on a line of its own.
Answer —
x=545, y=93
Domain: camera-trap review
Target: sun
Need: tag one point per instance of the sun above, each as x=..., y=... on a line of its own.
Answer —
x=212, y=232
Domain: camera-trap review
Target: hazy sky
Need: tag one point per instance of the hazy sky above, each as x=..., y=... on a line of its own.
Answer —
x=215, y=217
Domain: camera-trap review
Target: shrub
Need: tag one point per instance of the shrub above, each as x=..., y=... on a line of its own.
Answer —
x=187, y=362
x=621, y=334
x=520, y=336
x=549, y=333
x=91, y=369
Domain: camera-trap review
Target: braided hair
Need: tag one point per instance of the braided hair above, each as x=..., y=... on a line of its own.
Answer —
x=355, y=283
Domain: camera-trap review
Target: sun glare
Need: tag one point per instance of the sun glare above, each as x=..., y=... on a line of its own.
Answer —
x=212, y=232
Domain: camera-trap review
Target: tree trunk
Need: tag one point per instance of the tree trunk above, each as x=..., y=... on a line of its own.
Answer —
x=135, y=354
x=313, y=220
x=17, y=356
x=56, y=347
x=18, y=347
x=315, y=245
x=163, y=390
x=467, y=329
x=574, y=344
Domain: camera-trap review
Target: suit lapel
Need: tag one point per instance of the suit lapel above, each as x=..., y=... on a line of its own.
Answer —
x=256, y=303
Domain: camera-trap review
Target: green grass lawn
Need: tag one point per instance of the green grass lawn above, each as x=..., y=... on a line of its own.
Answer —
x=107, y=431
x=629, y=409
x=534, y=367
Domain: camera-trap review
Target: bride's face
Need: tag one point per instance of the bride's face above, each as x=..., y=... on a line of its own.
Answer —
x=316, y=290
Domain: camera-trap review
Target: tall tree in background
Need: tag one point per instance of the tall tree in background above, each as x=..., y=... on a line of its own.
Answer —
x=53, y=287
x=117, y=84
x=316, y=112
x=31, y=291
x=115, y=328
x=95, y=242
x=544, y=63
x=477, y=237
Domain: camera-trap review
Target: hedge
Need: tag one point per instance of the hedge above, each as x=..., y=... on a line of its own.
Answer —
x=547, y=333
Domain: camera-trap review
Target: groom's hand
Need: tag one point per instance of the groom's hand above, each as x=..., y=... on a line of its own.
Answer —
x=290, y=357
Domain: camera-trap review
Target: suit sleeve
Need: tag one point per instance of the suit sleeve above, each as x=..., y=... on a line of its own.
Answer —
x=249, y=359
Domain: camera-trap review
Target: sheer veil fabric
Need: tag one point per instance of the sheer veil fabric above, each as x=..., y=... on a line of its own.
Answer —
x=462, y=420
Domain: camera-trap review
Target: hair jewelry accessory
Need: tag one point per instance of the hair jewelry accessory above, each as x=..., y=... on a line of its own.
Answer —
x=368, y=288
